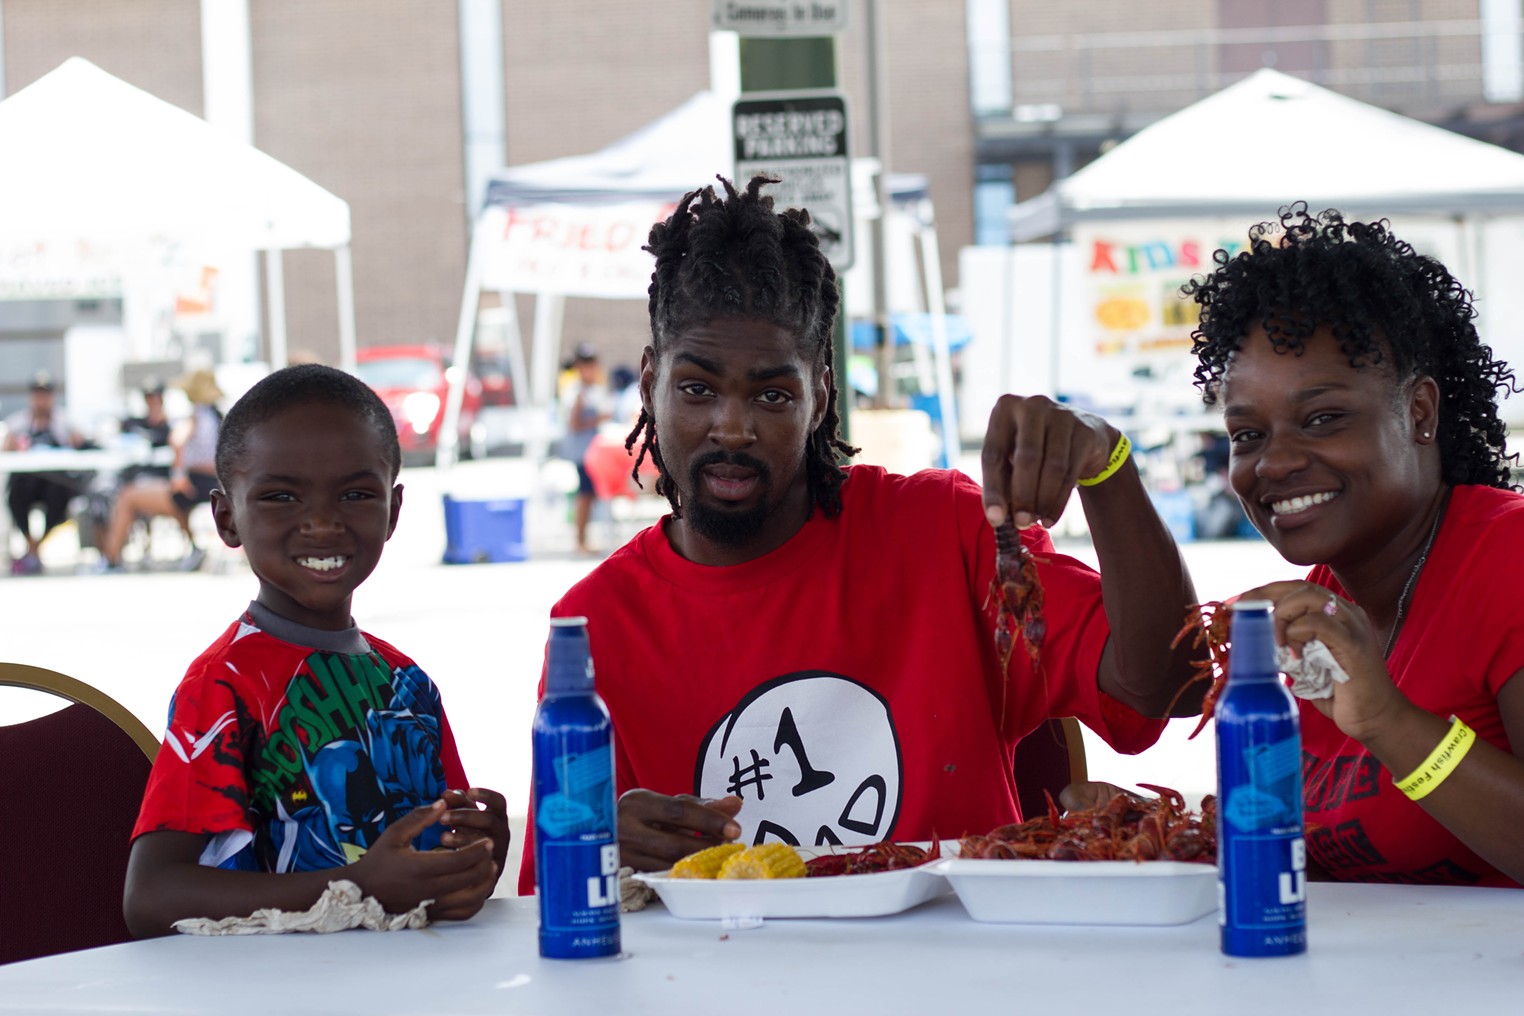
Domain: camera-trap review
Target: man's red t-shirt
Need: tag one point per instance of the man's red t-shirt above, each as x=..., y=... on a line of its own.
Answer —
x=846, y=685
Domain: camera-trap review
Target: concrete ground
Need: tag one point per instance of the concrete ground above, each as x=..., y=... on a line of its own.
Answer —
x=478, y=629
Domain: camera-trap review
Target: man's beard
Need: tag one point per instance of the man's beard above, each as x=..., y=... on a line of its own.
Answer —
x=728, y=527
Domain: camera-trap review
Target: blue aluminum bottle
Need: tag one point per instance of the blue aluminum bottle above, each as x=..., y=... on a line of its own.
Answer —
x=1261, y=856
x=576, y=850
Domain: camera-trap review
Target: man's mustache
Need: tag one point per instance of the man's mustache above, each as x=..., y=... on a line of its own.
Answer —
x=740, y=459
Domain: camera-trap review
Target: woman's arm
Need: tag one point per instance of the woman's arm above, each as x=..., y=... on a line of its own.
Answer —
x=1481, y=800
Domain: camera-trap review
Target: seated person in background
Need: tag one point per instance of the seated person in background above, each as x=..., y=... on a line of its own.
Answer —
x=1362, y=410
x=191, y=478
x=807, y=652
x=153, y=428
x=40, y=425
x=301, y=749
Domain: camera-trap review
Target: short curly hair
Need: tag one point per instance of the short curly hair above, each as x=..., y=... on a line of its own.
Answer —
x=1378, y=296
x=303, y=385
x=736, y=257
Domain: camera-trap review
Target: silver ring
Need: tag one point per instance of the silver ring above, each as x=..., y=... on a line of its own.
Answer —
x=1332, y=606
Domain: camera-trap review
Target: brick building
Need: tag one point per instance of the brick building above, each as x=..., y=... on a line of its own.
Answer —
x=991, y=99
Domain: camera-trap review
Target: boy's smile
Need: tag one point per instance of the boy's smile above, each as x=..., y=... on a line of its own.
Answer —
x=312, y=503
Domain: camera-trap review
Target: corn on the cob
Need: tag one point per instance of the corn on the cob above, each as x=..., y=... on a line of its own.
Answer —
x=706, y=863
x=769, y=860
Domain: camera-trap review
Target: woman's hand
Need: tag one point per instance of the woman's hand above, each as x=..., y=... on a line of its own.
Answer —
x=1303, y=612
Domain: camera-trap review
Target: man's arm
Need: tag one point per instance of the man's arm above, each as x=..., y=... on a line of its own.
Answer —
x=1035, y=453
x=166, y=881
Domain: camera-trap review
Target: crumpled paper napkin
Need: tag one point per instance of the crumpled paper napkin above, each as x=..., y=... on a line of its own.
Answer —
x=341, y=907
x=633, y=893
x=1313, y=675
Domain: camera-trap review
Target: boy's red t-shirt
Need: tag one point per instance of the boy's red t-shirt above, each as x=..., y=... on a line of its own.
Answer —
x=846, y=685
x=289, y=758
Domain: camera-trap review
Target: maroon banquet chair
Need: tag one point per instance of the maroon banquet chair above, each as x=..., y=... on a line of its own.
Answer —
x=70, y=786
x=1048, y=759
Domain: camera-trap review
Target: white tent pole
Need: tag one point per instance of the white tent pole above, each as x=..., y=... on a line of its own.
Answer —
x=465, y=333
x=931, y=264
x=548, y=309
x=275, y=274
x=344, y=281
x=518, y=363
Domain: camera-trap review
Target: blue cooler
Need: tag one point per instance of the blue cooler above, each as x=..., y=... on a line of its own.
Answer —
x=478, y=531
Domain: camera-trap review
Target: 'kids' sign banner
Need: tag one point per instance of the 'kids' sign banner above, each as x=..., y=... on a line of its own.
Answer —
x=575, y=250
x=1133, y=274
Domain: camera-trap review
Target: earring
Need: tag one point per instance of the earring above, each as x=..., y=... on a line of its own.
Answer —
x=1427, y=435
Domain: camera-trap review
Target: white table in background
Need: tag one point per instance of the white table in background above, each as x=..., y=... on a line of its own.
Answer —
x=1390, y=950
x=70, y=460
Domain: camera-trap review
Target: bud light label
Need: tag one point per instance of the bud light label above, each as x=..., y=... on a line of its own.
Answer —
x=586, y=876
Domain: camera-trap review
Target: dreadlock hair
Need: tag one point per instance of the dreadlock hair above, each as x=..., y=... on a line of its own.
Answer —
x=1377, y=295
x=734, y=257
x=302, y=385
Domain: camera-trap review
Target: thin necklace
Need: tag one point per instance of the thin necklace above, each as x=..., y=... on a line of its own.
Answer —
x=1402, y=601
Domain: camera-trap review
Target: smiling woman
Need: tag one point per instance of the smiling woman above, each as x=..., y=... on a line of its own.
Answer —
x=1361, y=406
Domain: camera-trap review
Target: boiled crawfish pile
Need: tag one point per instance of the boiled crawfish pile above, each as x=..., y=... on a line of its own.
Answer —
x=1129, y=827
x=883, y=856
x=1017, y=593
x=1208, y=625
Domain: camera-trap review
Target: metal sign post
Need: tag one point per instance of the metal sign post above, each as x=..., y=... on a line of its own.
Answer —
x=787, y=55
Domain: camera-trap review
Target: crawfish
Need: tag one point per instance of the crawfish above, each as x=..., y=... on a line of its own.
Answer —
x=1209, y=626
x=884, y=856
x=1127, y=827
x=1017, y=592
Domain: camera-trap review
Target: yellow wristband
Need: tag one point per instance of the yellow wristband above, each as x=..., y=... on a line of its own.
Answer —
x=1118, y=456
x=1440, y=763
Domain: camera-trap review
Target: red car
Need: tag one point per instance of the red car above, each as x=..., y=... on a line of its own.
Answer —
x=414, y=382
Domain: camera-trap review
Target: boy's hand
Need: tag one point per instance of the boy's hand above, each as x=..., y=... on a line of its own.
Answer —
x=474, y=814
x=400, y=877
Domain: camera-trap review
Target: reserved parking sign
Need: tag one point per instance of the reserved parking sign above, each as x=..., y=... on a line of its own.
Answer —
x=801, y=137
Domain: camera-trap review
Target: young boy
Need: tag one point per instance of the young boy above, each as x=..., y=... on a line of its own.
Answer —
x=298, y=744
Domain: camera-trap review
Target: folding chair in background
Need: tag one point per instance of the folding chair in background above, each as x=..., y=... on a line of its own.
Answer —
x=1048, y=759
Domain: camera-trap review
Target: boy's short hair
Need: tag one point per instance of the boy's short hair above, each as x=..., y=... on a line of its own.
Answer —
x=300, y=385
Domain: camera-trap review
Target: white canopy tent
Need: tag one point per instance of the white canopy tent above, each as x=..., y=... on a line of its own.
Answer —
x=575, y=226
x=1147, y=215
x=91, y=158
x=1270, y=139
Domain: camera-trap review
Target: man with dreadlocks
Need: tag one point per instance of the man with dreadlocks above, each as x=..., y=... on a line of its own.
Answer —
x=805, y=652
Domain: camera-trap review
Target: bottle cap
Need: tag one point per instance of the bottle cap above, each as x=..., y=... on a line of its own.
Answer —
x=1253, y=642
x=569, y=664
